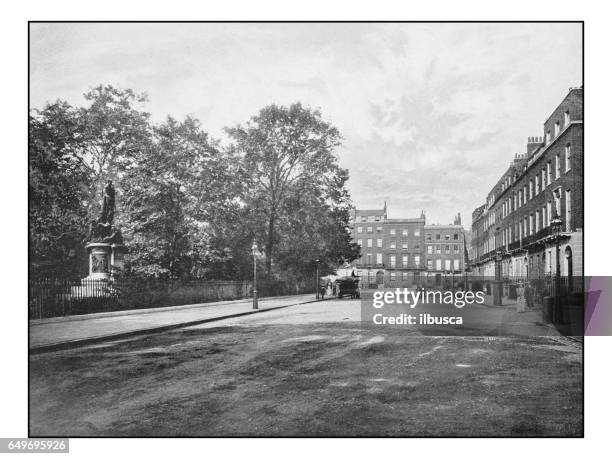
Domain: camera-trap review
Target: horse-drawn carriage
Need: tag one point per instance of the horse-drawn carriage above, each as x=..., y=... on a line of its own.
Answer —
x=348, y=286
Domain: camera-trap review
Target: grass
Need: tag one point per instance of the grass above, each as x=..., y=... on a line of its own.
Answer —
x=308, y=380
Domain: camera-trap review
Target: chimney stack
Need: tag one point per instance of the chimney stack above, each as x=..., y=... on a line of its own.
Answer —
x=533, y=143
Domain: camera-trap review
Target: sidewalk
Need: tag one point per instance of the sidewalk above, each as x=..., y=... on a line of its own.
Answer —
x=527, y=323
x=72, y=331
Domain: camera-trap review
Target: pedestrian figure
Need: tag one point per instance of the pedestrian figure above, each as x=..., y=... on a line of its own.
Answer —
x=520, y=298
x=528, y=296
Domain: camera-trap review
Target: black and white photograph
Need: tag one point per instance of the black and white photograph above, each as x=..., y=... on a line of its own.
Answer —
x=322, y=229
x=305, y=229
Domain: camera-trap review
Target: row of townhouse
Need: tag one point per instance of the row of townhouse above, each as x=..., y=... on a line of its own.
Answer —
x=401, y=252
x=545, y=184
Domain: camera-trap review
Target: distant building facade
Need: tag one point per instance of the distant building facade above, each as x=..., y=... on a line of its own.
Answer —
x=543, y=183
x=402, y=252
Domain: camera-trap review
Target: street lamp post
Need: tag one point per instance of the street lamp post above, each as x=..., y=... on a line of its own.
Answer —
x=317, y=277
x=497, y=299
x=254, y=252
x=556, y=224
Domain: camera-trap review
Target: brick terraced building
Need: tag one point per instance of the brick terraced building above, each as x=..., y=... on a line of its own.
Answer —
x=543, y=183
x=405, y=252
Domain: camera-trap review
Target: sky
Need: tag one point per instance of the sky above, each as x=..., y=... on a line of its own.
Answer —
x=430, y=114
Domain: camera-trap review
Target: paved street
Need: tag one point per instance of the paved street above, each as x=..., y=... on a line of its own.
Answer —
x=312, y=369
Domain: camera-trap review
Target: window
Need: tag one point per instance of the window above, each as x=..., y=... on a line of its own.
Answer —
x=548, y=173
x=568, y=155
x=379, y=229
x=437, y=237
x=369, y=229
x=543, y=179
x=417, y=233
x=544, y=221
x=369, y=243
x=447, y=265
x=456, y=265
x=447, y=249
x=359, y=242
x=557, y=166
x=369, y=258
x=392, y=231
x=439, y=265
x=428, y=236
x=429, y=264
x=557, y=128
x=392, y=261
x=447, y=237
x=557, y=202
x=568, y=210
x=430, y=249
x=547, y=137
x=363, y=219
x=378, y=242
x=405, y=261
x=516, y=203
x=405, y=245
x=548, y=213
x=392, y=244
x=537, y=184
x=404, y=232
x=417, y=260
x=377, y=218
x=537, y=221
x=456, y=236
x=405, y=275
x=360, y=229
x=530, y=228
x=525, y=194
x=530, y=189
x=566, y=119
x=438, y=249
x=379, y=258
x=371, y=218
x=392, y=276
x=417, y=247
x=456, y=248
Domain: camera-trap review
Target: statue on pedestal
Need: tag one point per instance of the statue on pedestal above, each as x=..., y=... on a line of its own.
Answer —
x=104, y=243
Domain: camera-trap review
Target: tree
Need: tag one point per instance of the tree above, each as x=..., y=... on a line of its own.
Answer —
x=316, y=226
x=58, y=186
x=293, y=181
x=171, y=193
x=112, y=131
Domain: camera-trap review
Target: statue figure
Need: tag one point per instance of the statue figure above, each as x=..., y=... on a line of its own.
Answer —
x=102, y=230
x=108, y=204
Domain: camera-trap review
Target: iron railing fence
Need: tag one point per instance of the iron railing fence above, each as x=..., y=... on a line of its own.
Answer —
x=61, y=297
x=536, y=288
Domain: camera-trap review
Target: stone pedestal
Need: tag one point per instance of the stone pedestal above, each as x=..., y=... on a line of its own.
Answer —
x=117, y=262
x=105, y=260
